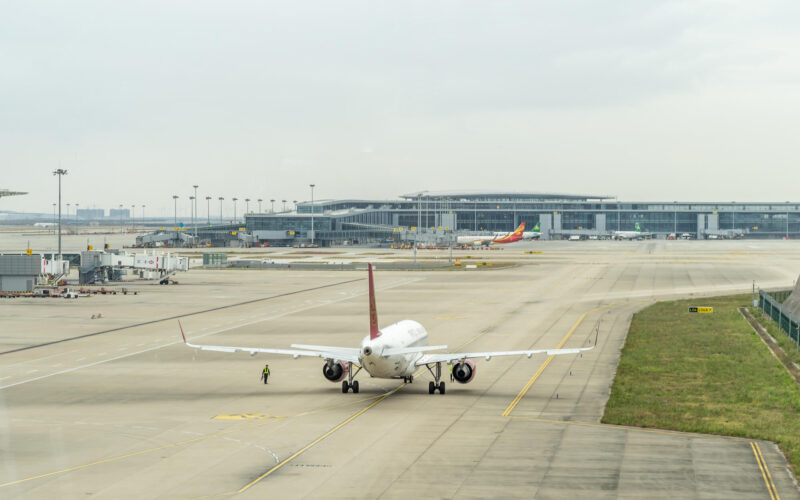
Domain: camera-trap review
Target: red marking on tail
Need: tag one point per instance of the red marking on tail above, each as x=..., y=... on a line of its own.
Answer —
x=182, y=335
x=374, y=333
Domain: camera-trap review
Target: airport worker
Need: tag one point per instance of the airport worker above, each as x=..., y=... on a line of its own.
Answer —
x=452, y=379
x=265, y=374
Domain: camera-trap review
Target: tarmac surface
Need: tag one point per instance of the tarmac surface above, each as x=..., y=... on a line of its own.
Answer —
x=117, y=407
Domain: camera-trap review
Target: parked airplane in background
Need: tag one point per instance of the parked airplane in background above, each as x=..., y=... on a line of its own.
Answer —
x=632, y=235
x=396, y=351
x=496, y=238
x=532, y=235
x=45, y=224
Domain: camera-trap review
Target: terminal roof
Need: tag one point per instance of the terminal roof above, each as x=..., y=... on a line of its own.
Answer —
x=502, y=195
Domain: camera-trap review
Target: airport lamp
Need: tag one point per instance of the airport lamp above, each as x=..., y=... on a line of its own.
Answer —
x=60, y=173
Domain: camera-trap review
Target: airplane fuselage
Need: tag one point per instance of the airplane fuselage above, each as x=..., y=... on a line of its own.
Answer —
x=402, y=334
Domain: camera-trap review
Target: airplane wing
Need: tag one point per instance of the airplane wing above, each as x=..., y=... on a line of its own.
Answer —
x=457, y=356
x=337, y=353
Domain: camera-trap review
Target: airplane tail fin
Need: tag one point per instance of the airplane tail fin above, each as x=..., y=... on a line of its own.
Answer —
x=536, y=227
x=374, y=332
x=638, y=228
x=520, y=229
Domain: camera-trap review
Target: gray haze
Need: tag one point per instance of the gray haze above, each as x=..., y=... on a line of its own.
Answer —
x=643, y=100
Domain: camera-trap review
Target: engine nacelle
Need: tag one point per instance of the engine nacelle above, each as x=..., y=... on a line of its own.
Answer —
x=464, y=371
x=335, y=372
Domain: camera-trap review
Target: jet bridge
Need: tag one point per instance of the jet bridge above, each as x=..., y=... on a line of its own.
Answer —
x=101, y=266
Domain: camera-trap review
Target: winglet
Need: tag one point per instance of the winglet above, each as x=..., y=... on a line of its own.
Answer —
x=182, y=335
x=374, y=332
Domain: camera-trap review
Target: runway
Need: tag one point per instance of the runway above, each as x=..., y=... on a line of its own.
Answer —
x=133, y=413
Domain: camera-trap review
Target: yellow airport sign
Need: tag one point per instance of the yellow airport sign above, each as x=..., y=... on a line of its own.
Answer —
x=242, y=228
x=701, y=310
x=29, y=252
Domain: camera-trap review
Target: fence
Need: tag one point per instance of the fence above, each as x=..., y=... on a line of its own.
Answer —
x=772, y=305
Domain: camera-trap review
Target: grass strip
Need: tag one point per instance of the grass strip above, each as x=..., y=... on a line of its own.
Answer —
x=706, y=373
x=788, y=345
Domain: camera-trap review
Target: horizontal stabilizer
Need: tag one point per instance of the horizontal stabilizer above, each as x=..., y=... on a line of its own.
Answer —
x=327, y=348
x=412, y=350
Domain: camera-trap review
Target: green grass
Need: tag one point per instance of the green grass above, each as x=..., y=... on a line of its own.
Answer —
x=787, y=344
x=707, y=373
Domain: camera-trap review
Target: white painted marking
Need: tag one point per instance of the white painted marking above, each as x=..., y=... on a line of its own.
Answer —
x=40, y=359
x=122, y=356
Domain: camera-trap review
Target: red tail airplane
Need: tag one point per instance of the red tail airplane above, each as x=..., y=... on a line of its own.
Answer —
x=511, y=237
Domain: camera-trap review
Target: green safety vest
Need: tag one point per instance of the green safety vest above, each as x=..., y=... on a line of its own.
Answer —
x=266, y=371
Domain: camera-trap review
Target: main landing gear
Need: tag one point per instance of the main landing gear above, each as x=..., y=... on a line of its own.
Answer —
x=408, y=380
x=350, y=383
x=437, y=375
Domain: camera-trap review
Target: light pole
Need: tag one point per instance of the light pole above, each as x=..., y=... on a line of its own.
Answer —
x=259, y=205
x=295, y=205
x=272, y=206
x=234, y=208
x=60, y=172
x=191, y=207
x=194, y=204
x=284, y=205
x=68, y=204
x=208, y=209
x=220, y=209
x=54, y=213
x=312, y=212
x=76, y=211
x=247, y=206
x=143, y=207
x=133, y=216
x=175, y=199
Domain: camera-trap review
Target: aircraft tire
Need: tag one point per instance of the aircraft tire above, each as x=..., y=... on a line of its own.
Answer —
x=431, y=388
x=345, y=387
x=355, y=387
x=441, y=387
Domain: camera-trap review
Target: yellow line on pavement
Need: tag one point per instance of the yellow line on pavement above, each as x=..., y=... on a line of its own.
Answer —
x=136, y=453
x=313, y=443
x=536, y=375
x=762, y=466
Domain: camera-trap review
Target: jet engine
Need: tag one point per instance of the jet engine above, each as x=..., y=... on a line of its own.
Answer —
x=464, y=371
x=335, y=371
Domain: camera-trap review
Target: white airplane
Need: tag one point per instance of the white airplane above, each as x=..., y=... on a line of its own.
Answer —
x=631, y=235
x=393, y=352
x=45, y=224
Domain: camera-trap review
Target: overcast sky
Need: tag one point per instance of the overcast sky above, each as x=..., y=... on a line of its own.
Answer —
x=694, y=100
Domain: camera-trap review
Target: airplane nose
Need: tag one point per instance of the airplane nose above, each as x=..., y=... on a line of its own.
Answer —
x=367, y=351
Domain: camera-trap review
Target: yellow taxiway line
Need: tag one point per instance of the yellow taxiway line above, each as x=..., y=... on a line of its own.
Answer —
x=536, y=375
x=762, y=466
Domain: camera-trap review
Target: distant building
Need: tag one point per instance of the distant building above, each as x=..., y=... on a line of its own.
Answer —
x=558, y=215
x=119, y=213
x=91, y=213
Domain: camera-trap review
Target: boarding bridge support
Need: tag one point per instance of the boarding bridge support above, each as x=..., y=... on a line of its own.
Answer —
x=600, y=223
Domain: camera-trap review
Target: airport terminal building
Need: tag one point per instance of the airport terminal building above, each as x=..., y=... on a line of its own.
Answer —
x=430, y=215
